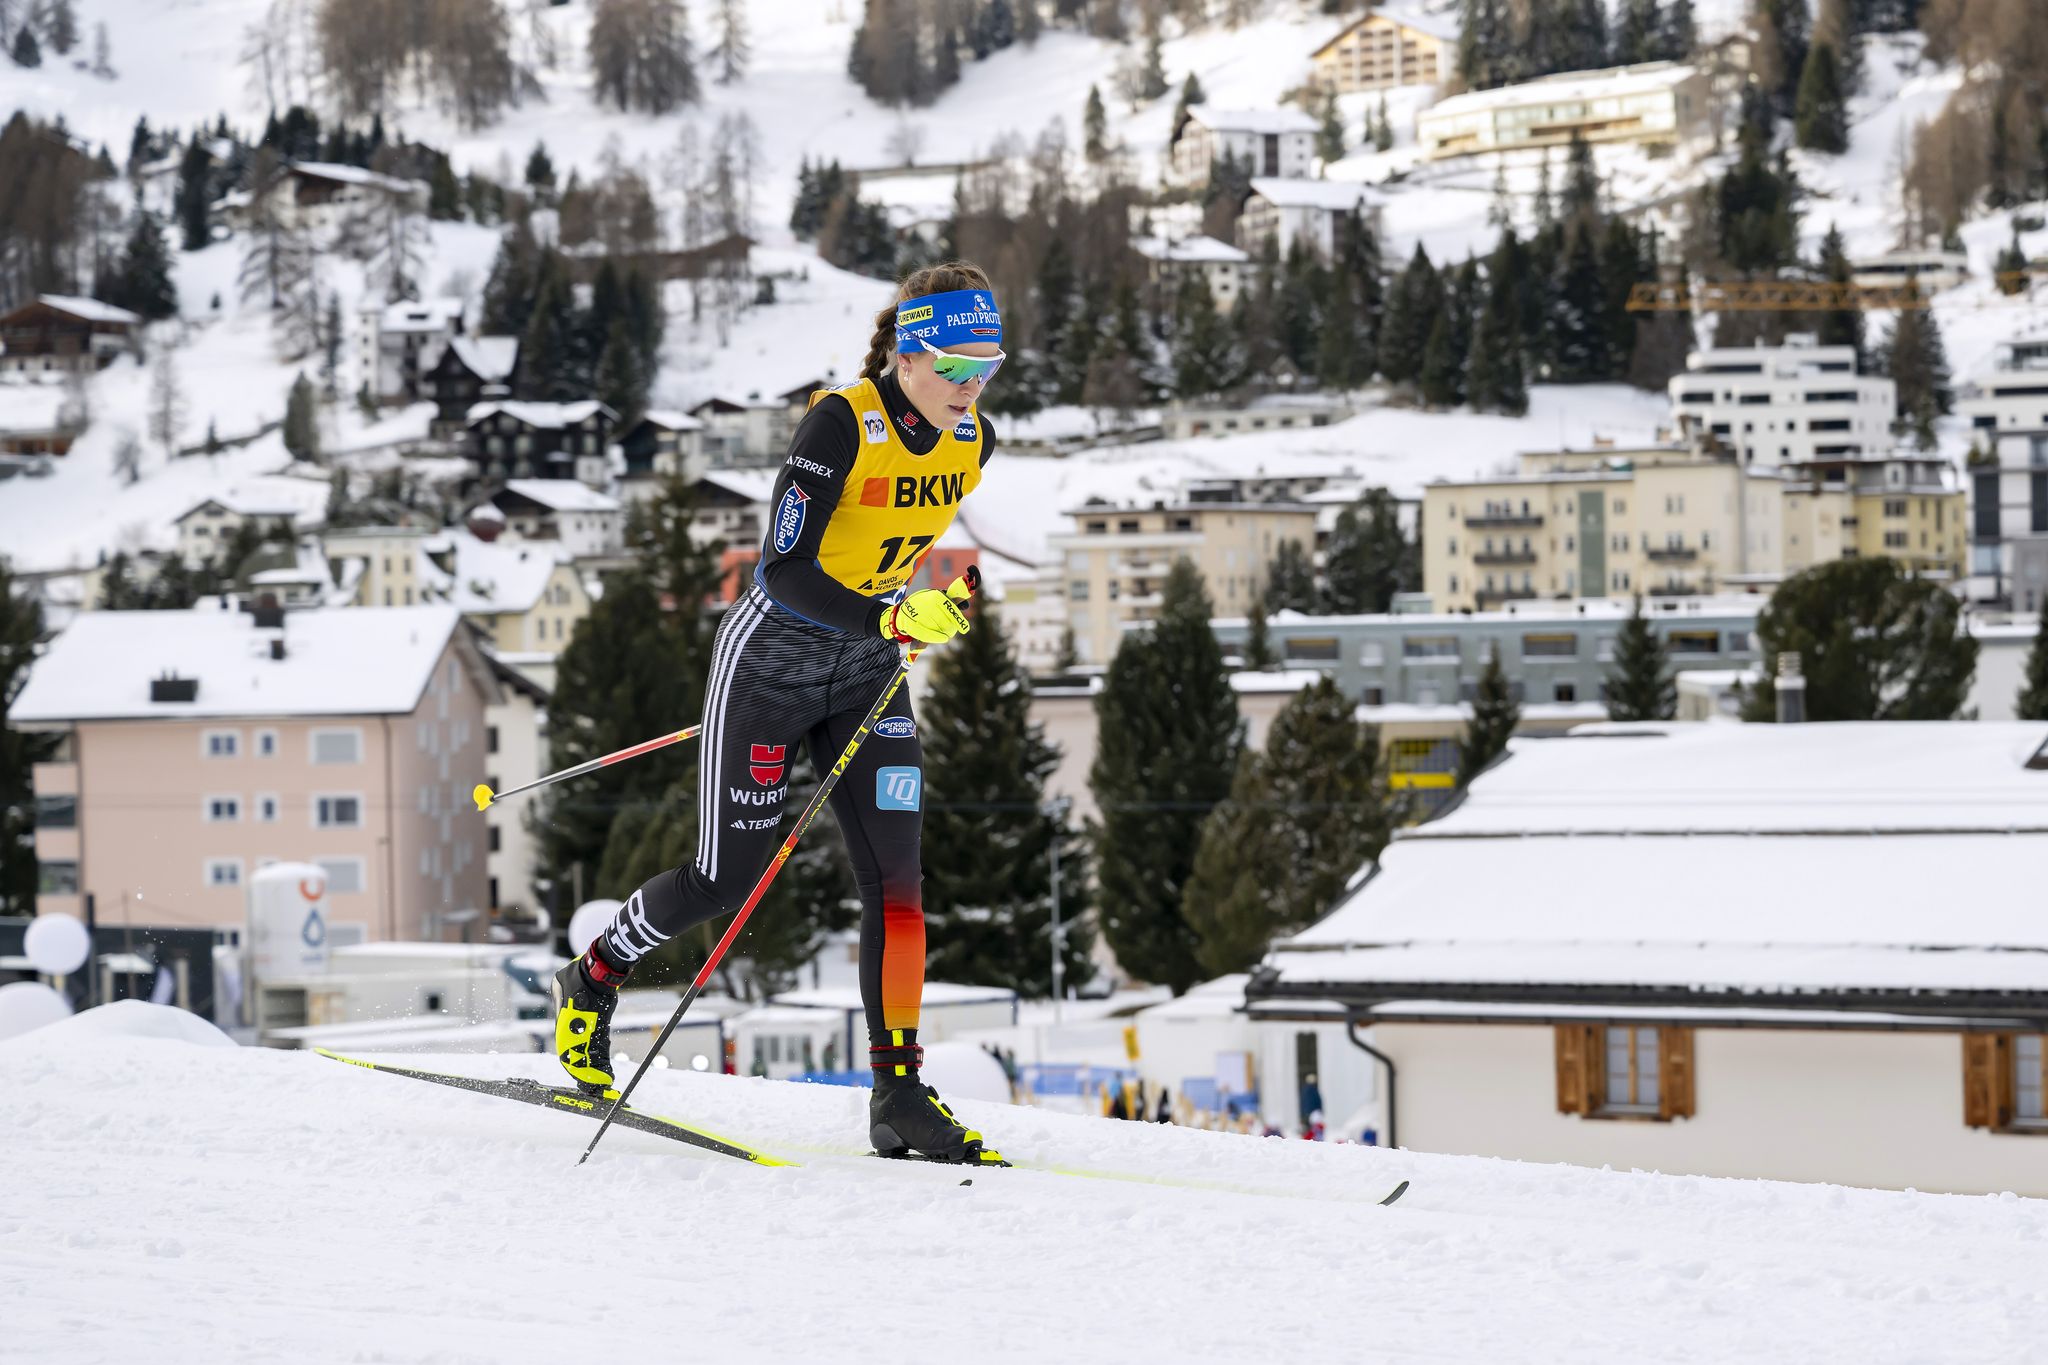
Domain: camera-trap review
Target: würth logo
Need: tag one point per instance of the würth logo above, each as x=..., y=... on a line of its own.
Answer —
x=929, y=490
x=765, y=763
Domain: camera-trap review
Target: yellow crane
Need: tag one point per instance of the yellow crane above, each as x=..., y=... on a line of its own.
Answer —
x=1797, y=296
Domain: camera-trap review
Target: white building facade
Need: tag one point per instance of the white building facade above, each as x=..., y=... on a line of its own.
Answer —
x=1310, y=212
x=1272, y=142
x=1655, y=102
x=1790, y=404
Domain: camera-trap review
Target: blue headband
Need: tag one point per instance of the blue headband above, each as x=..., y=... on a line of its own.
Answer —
x=954, y=319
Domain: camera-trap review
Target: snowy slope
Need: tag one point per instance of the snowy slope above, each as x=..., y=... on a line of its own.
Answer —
x=176, y=1202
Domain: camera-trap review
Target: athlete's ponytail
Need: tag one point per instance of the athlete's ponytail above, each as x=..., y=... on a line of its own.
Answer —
x=932, y=279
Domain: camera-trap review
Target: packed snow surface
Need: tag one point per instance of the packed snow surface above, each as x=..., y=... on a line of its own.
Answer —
x=186, y=1203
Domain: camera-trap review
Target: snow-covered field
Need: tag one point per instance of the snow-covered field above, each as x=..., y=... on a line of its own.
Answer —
x=172, y=1201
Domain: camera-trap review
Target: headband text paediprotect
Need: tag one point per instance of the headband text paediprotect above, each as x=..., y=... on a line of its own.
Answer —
x=958, y=318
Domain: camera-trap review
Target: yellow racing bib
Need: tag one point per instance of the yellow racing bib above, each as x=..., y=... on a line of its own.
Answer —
x=896, y=503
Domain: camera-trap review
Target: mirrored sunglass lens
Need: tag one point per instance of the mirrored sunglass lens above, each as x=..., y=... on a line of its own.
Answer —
x=961, y=368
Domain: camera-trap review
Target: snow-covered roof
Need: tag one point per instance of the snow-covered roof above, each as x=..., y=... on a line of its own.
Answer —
x=1274, y=680
x=563, y=495
x=424, y=315
x=1339, y=196
x=547, y=416
x=1217, y=999
x=308, y=566
x=89, y=310
x=1443, y=27
x=356, y=661
x=352, y=175
x=755, y=485
x=1564, y=87
x=1194, y=250
x=670, y=419
x=1725, y=859
x=254, y=501
x=494, y=576
x=490, y=359
x=1252, y=120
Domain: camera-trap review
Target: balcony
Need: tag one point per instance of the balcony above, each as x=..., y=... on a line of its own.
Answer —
x=1504, y=557
x=1502, y=521
x=1671, y=554
x=1493, y=596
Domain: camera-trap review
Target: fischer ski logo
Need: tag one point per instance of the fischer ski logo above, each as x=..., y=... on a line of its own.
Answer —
x=899, y=789
x=767, y=764
x=895, y=727
x=877, y=429
x=789, y=519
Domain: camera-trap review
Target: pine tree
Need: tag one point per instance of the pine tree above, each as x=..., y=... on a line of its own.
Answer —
x=1169, y=738
x=302, y=421
x=1622, y=265
x=2032, y=702
x=1094, y=127
x=1486, y=55
x=509, y=291
x=1204, y=359
x=1301, y=817
x=60, y=27
x=1369, y=558
x=146, y=286
x=1258, y=642
x=195, y=196
x=732, y=49
x=540, y=175
x=622, y=380
x=1439, y=378
x=1483, y=361
x=1413, y=303
x=1676, y=36
x=552, y=367
x=1823, y=118
x=1291, y=580
x=27, y=52
x=1579, y=325
x=1191, y=94
x=988, y=834
x=1383, y=129
x=1913, y=356
x=1642, y=686
x=166, y=401
x=1874, y=642
x=1495, y=714
x=2009, y=269
x=1152, y=76
x=1637, y=37
x=21, y=631
x=1330, y=135
x=1839, y=326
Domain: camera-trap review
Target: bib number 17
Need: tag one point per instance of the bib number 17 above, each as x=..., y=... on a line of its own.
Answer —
x=894, y=553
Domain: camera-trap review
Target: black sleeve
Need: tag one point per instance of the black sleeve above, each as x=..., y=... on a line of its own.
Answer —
x=821, y=457
x=988, y=442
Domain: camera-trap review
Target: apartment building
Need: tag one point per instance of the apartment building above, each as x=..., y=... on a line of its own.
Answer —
x=1385, y=49
x=274, y=504
x=1777, y=405
x=59, y=334
x=586, y=523
x=2009, y=396
x=399, y=344
x=2009, y=523
x=508, y=440
x=1310, y=212
x=197, y=746
x=1116, y=560
x=1226, y=269
x=1654, y=102
x=1673, y=522
x=1272, y=142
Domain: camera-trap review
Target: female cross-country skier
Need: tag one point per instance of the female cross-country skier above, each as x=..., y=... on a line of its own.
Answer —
x=876, y=471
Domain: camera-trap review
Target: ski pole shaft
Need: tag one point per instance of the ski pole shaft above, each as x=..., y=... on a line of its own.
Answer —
x=739, y=920
x=484, y=796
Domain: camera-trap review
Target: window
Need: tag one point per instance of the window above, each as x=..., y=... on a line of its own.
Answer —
x=344, y=875
x=1128, y=526
x=222, y=810
x=337, y=812
x=223, y=872
x=1550, y=646
x=1694, y=641
x=490, y=739
x=56, y=812
x=266, y=744
x=267, y=807
x=1639, y=1071
x=1078, y=590
x=496, y=833
x=337, y=746
x=1374, y=696
x=1895, y=507
x=220, y=743
x=1429, y=647
x=56, y=878
x=2004, y=1081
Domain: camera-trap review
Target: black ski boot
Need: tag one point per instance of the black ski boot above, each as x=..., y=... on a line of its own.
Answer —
x=906, y=1117
x=585, y=993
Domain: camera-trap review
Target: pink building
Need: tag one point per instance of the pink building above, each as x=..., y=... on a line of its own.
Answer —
x=200, y=745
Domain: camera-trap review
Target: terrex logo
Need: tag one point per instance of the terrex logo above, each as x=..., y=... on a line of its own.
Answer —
x=910, y=490
x=810, y=465
x=789, y=519
x=765, y=762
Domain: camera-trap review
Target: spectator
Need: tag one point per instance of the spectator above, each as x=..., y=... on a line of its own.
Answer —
x=1165, y=1105
x=1311, y=1097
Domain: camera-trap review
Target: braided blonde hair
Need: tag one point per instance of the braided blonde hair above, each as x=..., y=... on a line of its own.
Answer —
x=943, y=278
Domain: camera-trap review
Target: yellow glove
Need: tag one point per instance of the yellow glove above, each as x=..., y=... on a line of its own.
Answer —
x=929, y=616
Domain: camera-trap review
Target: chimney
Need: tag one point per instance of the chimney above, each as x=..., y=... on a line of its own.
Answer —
x=1791, y=689
x=171, y=687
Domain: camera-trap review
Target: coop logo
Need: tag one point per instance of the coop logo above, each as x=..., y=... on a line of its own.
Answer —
x=965, y=430
x=789, y=519
x=899, y=789
x=766, y=763
x=811, y=466
x=895, y=727
x=878, y=430
x=910, y=490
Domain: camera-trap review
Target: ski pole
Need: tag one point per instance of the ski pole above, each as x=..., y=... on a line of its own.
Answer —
x=484, y=796
x=739, y=920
